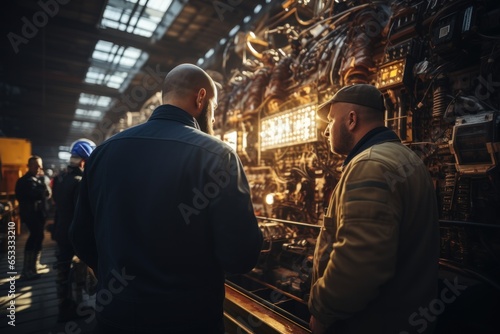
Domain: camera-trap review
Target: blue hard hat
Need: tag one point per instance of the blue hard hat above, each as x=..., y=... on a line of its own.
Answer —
x=82, y=148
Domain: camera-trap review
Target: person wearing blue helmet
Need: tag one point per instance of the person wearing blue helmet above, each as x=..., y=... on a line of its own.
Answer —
x=65, y=194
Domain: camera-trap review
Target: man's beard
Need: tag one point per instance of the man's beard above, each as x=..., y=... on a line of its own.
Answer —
x=205, y=121
x=345, y=141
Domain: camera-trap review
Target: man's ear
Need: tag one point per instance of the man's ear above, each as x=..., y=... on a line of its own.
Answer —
x=200, y=97
x=352, y=120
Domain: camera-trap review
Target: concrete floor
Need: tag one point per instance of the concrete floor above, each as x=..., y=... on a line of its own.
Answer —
x=36, y=300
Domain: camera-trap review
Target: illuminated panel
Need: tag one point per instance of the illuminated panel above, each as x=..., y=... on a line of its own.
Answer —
x=295, y=126
x=391, y=74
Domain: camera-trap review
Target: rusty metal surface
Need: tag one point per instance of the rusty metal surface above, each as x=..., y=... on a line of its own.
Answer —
x=256, y=317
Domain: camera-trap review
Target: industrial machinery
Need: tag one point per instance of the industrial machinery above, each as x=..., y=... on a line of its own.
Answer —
x=437, y=63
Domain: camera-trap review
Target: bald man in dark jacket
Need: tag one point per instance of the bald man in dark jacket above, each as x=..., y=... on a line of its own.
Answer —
x=164, y=211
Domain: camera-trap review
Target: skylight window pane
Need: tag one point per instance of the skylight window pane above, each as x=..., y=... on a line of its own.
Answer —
x=84, y=99
x=116, y=78
x=142, y=32
x=128, y=62
x=95, y=114
x=125, y=17
x=112, y=60
x=110, y=24
x=99, y=55
x=133, y=21
x=82, y=125
x=104, y=46
x=115, y=48
x=92, y=72
x=140, y=18
x=146, y=24
x=80, y=112
x=94, y=75
x=94, y=100
x=103, y=101
x=113, y=85
x=114, y=65
x=155, y=19
x=91, y=75
x=111, y=13
x=160, y=5
x=132, y=53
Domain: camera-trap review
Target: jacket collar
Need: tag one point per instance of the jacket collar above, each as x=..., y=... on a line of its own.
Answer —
x=375, y=136
x=173, y=113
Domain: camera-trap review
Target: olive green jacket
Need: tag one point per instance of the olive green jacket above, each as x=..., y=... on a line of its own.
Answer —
x=376, y=258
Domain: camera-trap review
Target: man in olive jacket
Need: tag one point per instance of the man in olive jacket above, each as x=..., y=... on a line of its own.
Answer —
x=376, y=259
x=164, y=211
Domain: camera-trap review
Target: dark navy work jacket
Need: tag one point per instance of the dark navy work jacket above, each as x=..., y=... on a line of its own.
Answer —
x=164, y=210
x=65, y=194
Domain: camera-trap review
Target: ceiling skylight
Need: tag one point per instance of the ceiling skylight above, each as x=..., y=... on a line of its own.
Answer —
x=113, y=64
x=94, y=100
x=116, y=54
x=88, y=114
x=89, y=109
x=82, y=125
x=136, y=17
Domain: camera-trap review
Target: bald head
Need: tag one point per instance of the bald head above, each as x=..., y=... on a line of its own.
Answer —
x=186, y=80
x=190, y=88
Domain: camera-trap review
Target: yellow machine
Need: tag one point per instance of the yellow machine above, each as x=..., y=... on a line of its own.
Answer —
x=14, y=155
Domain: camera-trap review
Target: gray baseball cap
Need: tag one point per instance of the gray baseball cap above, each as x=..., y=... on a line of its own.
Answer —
x=361, y=94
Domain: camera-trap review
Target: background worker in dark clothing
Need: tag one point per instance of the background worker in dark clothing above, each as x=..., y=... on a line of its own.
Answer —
x=65, y=194
x=164, y=210
x=32, y=193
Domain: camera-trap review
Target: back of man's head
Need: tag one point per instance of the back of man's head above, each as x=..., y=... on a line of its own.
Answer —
x=185, y=80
